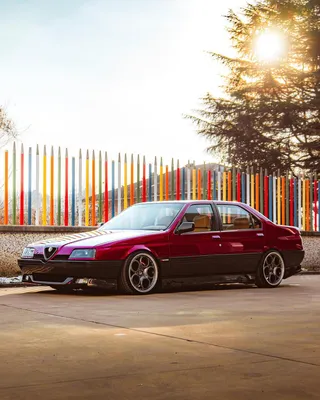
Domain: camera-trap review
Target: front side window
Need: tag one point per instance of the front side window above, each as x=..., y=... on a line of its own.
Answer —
x=202, y=217
x=234, y=217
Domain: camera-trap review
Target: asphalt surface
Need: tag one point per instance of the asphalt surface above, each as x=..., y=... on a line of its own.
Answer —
x=232, y=342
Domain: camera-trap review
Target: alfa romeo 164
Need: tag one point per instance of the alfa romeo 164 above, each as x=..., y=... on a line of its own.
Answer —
x=149, y=243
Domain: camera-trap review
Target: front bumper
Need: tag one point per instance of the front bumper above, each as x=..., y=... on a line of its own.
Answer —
x=67, y=272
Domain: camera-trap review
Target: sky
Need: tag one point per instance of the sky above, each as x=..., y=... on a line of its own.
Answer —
x=112, y=75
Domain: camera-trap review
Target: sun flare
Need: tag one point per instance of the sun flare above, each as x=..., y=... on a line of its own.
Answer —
x=269, y=46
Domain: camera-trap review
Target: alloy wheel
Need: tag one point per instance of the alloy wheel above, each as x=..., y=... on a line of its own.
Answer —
x=273, y=268
x=143, y=272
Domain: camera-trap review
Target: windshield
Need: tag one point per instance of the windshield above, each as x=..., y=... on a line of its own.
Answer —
x=145, y=216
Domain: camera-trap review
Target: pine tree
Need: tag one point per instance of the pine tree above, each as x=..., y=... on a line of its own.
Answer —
x=270, y=114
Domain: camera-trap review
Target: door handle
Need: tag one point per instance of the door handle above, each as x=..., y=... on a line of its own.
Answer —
x=260, y=234
x=216, y=237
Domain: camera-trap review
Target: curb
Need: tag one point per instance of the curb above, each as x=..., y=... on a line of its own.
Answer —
x=310, y=273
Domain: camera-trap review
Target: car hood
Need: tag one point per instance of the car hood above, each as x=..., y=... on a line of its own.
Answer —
x=92, y=238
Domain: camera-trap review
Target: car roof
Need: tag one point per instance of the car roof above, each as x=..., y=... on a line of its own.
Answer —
x=192, y=202
x=216, y=202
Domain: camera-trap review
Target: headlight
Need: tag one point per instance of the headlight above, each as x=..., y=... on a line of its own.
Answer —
x=28, y=252
x=83, y=253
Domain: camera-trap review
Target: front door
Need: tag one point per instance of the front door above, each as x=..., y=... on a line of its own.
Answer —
x=192, y=253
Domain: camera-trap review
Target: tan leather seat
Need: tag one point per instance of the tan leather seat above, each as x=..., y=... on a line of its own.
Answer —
x=202, y=223
x=241, y=223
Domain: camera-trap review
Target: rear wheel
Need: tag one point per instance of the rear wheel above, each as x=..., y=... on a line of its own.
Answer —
x=271, y=270
x=140, y=274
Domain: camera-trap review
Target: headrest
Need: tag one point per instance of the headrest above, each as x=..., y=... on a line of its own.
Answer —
x=241, y=223
x=202, y=222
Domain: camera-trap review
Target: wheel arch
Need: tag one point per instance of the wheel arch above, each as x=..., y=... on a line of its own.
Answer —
x=269, y=250
x=260, y=279
x=130, y=254
x=140, y=247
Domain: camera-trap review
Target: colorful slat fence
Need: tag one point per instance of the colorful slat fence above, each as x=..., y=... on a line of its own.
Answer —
x=97, y=188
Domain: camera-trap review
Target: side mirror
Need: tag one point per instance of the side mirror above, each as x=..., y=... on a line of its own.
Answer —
x=185, y=227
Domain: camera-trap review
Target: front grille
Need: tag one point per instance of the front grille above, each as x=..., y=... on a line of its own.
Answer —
x=49, y=278
x=49, y=252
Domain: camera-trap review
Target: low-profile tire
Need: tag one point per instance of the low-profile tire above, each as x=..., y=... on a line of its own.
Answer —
x=140, y=274
x=271, y=270
x=62, y=289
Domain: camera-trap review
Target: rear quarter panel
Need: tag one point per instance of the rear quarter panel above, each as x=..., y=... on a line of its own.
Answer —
x=282, y=238
x=279, y=237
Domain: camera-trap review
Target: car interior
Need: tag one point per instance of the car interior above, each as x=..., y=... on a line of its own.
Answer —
x=230, y=221
x=202, y=222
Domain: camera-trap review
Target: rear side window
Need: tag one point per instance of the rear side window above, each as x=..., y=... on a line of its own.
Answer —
x=201, y=215
x=234, y=217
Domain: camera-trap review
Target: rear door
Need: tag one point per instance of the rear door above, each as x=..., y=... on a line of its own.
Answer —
x=242, y=239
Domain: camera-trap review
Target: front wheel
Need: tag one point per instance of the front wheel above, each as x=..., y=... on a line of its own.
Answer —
x=271, y=270
x=140, y=274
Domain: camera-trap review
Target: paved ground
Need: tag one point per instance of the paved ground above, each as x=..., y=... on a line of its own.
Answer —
x=228, y=343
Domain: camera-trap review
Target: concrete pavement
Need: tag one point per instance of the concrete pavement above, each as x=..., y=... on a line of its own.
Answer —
x=229, y=343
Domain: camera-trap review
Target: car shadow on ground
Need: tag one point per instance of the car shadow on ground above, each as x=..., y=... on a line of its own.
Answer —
x=167, y=289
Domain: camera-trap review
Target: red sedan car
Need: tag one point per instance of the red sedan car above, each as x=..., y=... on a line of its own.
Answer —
x=211, y=241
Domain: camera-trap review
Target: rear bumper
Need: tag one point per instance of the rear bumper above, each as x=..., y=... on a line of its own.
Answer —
x=60, y=272
x=292, y=271
x=292, y=260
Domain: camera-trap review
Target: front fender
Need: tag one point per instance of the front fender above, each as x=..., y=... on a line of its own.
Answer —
x=140, y=247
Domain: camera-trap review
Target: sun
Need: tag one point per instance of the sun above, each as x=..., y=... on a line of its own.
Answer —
x=269, y=46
